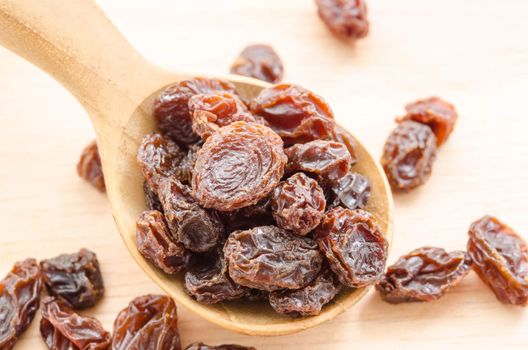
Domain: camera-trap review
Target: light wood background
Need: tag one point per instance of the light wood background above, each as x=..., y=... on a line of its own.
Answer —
x=473, y=53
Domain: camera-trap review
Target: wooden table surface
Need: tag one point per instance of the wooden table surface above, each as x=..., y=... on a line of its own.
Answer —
x=473, y=53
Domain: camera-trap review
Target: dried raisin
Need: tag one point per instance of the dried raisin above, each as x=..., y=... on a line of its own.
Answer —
x=352, y=191
x=259, y=62
x=90, y=167
x=185, y=168
x=258, y=214
x=346, y=19
x=151, y=198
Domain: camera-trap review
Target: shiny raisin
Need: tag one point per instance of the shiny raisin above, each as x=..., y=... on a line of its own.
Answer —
x=352, y=191
x=346, y=139
x=294, y=113
x=500, y=258
x=151, y=198
x=238, y=166
x=148, y=322
x=260, y=62
x=90, y=167
x=298, y=204
x=202, y=346
x=353, y=245
x=270, y=258
x=408, y=155
x=424, y=274
x=185, y=168
x=258, y=214
x=346, y=19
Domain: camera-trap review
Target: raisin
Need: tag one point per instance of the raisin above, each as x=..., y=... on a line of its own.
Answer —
x=158, y=157
x=208, y=281
x=500, y=258
x=171, y=108
x=63, y=329
x=331, y=160
x=346, y=139
x=196, y=228
x=202, y=346
x=408, y=155
x=19, y=301
x=238, y=166
x=351, y=191
x=424, y=274
x=257, y=295
x=155, y=243
x=270, y=258
x=309, y=300
x=74, y=278
x=212, y=111
x=298, y=204
x=151, y=198
x=90, y=167
x=259, y=62
x=148, y=322
x=184, y=171
x=353, y=245
x=258, y=214
x=294, y=113
x=434, y=112
x=346, y=19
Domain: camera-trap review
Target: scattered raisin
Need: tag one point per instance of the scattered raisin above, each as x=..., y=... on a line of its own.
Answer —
x=90, y=167
x=74, y=278
x=259, y=62
x=202, y=346
x=434, y=112
x=238, y=166
x=424, y=274
x=352, y=191
x=270, y=258
x=500, y=258
x=354, y=246
x=346, y=19
x=294, y=113
x=63, y=329
x=19, y=301
x=154, y=242
x=148, y=322
x=151, y=198
x=171, y=108
x=408, y=155
x=258, y=214
x=298, y=204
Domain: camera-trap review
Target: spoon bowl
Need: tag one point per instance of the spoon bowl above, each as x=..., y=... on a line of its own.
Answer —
x=78, y=46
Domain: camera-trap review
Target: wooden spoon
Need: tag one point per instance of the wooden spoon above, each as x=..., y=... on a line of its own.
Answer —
x=75, y=43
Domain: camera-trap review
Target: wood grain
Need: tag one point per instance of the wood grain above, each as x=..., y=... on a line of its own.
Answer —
x=473, y=53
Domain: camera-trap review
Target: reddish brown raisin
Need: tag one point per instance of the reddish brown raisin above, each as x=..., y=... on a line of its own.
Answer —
x=155, y=243
x=90, y=167
x=270, y=258
x=185, y=169
x=352, y=191
x=74, y=278
x=259, y=62
x=148, y=322
x=19, y=301
x=354, y=246
x=248, y=217
x=500, y=258
x=151, y=198
x=298, y=204
x=434, y=112
x=346, y=19
x=424, y=274
x=202, y=346
x=172, y=111
x=294, y=113
x=408, y=155
x=63, y=329
x=346, y=139
x=238, y=166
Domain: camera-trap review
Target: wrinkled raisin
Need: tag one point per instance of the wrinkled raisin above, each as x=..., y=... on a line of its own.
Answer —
x=258, y=214
x=90, y=167
x=408, y=155
x=346, y=19
x=353, y=245
x=259, y=62
x=19, y=301
x=185, y=169
x=424, y=274
x=346, y=139
x=148, y=322
x=298, y=204
x=196, y=228
x=63, y=329
x=352, y=191
x=155, y=243
x=294, y=113
x=238, y=166
x=270, y=258
x=202, y=346
x=151, y=198
x=434, y=112
x=172, y=111
x=500, y=258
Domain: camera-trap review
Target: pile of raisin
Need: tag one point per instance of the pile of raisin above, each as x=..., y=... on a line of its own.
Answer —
x=263, y=202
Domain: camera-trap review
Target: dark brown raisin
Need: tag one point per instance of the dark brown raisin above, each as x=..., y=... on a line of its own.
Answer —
x=238, y=166
x=298, y=204
x=353, y=245
x=352, y=191
x=260, y=62
x=500, y=258
x=74, y=278
x=346, y=19
x=248, y=217
x=270, y=258
x=185, y=169
x=90, y=167
x=424, y=274
x=151, y=198
x=202, y=346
